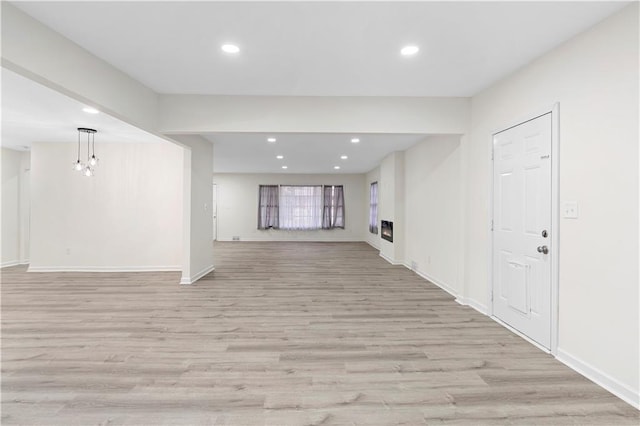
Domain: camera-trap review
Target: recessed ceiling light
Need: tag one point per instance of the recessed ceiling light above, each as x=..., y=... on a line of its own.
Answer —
x=230, y=48
x=279, y=157
x=284, y=167
x=271, y=140
x=336, y=167
x=90, y=110
x=343, y=157
x=409, y=50
x=355, y=140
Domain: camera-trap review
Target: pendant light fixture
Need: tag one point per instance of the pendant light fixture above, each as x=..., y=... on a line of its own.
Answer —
x=87, y=168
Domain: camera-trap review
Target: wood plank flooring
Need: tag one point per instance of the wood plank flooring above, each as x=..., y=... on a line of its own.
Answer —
x=278, y=334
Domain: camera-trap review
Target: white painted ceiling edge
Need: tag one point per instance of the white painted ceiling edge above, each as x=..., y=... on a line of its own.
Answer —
x=32, y=112
x=248, y=143
x=319, y=48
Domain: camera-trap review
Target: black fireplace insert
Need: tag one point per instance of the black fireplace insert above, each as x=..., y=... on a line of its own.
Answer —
x=387, y=230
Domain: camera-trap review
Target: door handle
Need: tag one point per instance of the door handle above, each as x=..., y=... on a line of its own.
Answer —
x=543, y=249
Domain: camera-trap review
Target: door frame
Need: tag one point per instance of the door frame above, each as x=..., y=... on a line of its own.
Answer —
x=555, y=220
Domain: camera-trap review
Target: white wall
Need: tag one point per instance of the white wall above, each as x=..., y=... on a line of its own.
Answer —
x=238, y=207
x=25, y=206
x=197, y=226
x=370, y=114
x=126, y=217
x=391, y=207
x=594, y=77
x=372, y=176
x=11, y=201
x=433, y=211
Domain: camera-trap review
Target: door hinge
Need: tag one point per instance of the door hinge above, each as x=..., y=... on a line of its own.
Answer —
x=492, y=224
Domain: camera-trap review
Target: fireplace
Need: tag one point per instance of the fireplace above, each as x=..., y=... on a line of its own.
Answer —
x=387, y=230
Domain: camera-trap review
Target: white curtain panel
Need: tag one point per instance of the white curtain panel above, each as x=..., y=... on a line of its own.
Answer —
x=373, y=208
x=300, y=207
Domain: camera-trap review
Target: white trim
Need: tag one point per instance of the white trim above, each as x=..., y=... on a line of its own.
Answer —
x=554, y=110
x=602, y=379
x=10, y=263
x=104, y=269
x=190, y=280
x=473, y=304
x=435, y=281
x=555, y=225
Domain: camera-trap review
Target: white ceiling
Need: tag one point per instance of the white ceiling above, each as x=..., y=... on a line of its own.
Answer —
x=319, y=48
x=303, y=153
x=289, y=48
x=34, y=113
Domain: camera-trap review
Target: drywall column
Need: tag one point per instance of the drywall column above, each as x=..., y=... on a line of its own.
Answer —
x=10, y=230
x=197, y=214
x=25, y=206
x=391, y=205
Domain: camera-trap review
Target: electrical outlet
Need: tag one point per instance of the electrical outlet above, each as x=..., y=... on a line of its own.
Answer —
x=235, y=238
x=68, y=250
x=570, y=209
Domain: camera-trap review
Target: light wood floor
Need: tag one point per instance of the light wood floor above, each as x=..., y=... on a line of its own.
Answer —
x=279, y=334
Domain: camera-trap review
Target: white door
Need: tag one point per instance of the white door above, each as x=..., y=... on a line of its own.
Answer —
x=214, y=210
x=522, y=228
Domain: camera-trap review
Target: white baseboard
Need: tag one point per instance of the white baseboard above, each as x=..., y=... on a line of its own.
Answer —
x=602, y=379
x=474, y=304
x=388, y=259
x=192, y=279
x=104, y=268
x=9, y=263
x=435, y=281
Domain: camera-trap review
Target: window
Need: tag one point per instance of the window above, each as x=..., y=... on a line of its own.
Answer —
x=301, y=207
x=373, y=208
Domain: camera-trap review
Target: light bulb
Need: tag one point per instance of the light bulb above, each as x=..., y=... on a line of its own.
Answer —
x=88, y=172
x=93, y=160
x=230, y=48
x=409, y=50
x=77, y=166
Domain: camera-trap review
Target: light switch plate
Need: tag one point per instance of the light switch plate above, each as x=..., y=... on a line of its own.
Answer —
x=570, y=209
